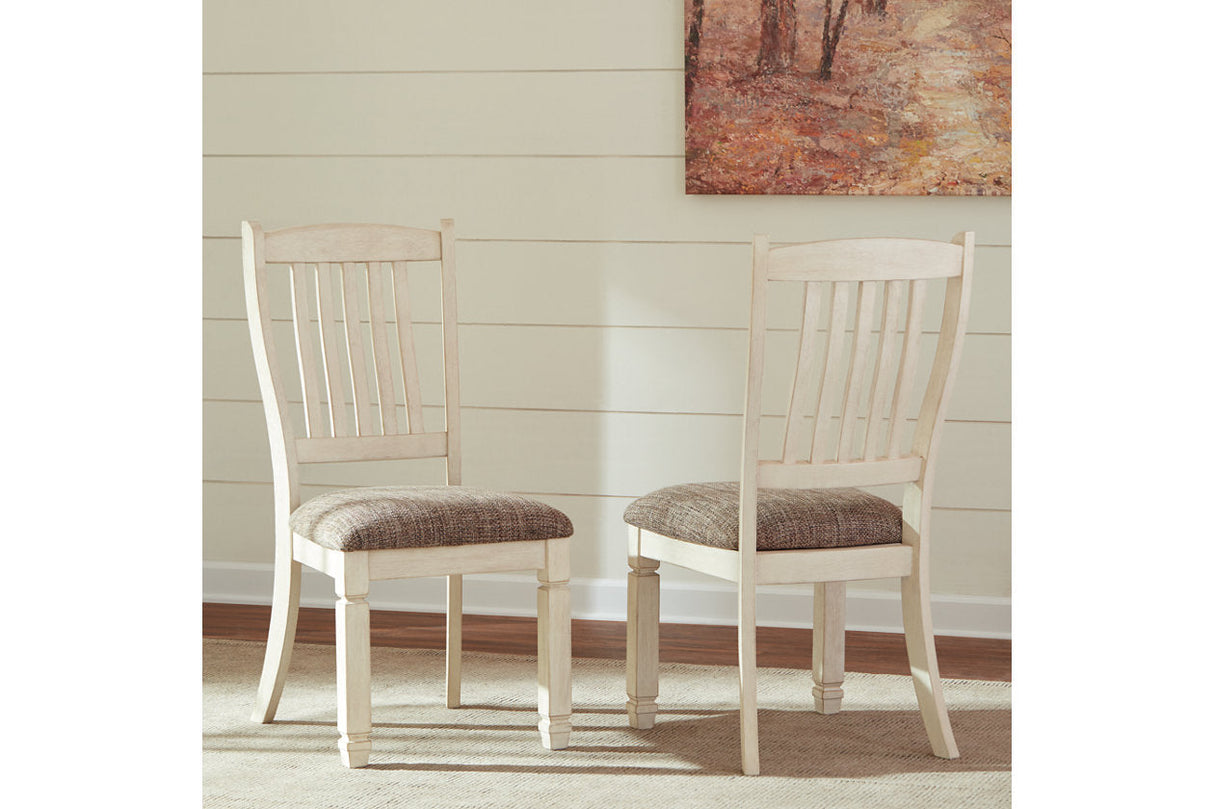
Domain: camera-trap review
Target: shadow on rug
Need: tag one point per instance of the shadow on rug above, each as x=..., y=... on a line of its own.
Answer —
x=487, y=753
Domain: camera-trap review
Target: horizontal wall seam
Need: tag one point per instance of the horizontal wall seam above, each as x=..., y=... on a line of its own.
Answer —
x=536, y=240
x=493, y=408
x=498, y=324
x=443, y=71
x=447, y=155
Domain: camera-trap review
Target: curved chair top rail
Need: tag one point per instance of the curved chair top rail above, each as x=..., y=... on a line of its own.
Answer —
x=339, y=243
x=877, y=259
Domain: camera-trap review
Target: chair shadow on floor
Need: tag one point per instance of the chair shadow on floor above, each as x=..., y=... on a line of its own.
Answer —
x=794, y=744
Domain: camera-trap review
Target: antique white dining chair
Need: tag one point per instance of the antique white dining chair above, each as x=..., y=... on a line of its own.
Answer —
x=798, y=517
x=346, y=290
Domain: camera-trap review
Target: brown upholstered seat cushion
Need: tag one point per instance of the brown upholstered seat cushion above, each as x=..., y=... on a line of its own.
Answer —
x=375, y=518
x=788, y=519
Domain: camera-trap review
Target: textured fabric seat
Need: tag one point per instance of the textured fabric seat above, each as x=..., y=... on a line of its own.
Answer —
x=788, y=519
x=376, y=518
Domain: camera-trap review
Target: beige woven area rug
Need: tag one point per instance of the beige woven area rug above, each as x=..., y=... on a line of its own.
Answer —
x=488, y=753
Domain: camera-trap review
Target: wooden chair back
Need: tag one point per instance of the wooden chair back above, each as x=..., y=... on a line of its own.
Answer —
x=349, y=336
x=854, y=394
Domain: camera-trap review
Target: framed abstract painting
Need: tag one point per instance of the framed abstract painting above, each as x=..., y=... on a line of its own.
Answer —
x=908, y=97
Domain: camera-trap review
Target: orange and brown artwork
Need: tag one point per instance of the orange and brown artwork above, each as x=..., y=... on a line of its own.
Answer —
x=839, y=97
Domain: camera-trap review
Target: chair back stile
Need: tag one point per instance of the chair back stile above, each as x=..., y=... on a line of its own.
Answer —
x=359, y=383
x=861, y=402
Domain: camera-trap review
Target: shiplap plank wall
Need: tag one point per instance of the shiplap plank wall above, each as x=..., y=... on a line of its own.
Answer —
x=602, y=311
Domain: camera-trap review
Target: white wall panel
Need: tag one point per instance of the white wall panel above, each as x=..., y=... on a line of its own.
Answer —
x=398, y=35
x=445, y=113
x=613, y=198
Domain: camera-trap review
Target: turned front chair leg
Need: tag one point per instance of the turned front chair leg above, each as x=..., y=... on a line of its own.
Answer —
x=828, y=643
x=284, y=611
x=555, y=647
x=925, y=671
x=354, y=660
x=455, y=619
x=644, y=594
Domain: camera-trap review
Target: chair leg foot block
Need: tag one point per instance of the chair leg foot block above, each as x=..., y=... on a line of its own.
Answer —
x=828, y=700
x=554, y=732
x=355, y=754
x=642, y=713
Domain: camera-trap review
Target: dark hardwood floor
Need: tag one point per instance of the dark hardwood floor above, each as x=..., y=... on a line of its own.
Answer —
x=873, y=652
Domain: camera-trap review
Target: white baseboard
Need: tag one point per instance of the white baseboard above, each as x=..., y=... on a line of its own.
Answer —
x=606, y=599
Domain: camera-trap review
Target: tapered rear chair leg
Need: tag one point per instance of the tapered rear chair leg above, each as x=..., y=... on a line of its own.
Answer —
x=455, y=642
x=284, y=612
x=748, y=672
x=925, y=671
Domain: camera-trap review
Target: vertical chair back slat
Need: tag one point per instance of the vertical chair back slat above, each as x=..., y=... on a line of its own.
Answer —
x=856, y=368
x=408, y=350
x=379, y=348
x=363, y=421
x=309, y=378
x=330, y=346
x=830, y=381
x=906, y=368
x=801, y=375
x=883, y=372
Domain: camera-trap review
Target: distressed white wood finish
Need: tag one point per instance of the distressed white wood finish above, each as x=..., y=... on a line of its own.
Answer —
x=455, y=637
x=906, y=369
x=371, y=448
x=778, y=567
x=883, y=373
x=335, y=391
x=747, y=514
x=801, y=475
x=844, y=451
x=641, y=654
x=831, y=379
x=363, y=256
x=349, y=244
x=856, y=368
x=355, y=353
x=865, y=260
x=555, y=646
x=800, y=386
x=455, y=607
x=828, y=639
x=382, y=359
x=718, y=562
x=408, y=347
x=313, y=418
x=833, y=564
x=353, y=659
